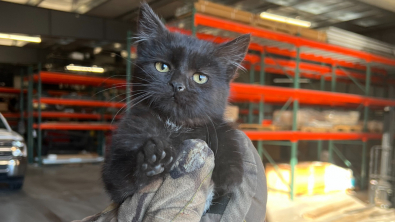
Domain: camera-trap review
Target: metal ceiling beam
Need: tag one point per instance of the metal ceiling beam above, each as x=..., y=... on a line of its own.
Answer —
x=34, y=2
x=383, y=4
x=83, y=8
x=154, y=4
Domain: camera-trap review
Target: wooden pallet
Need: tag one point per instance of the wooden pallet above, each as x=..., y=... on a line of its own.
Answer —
x=315, y=129
x=375, y=131
x=337, y=128
x=260, y=127
x=347, y=128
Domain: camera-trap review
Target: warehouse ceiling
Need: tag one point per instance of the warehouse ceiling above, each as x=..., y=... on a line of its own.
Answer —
x=360, y=16
x=350, y=14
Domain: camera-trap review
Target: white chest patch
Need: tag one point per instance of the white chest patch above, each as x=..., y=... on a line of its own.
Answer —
x=172, y=127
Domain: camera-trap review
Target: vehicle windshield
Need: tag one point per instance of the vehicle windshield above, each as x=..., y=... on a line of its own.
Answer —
x=2, y=125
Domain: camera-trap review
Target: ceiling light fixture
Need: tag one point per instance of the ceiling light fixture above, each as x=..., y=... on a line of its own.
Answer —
x=94, y=69
x=279, y=18
x=20, y=38
x=9, y=42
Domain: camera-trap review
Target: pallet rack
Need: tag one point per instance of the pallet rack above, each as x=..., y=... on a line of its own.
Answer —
x=21, y=93
x=309, y=59
x=57, y=78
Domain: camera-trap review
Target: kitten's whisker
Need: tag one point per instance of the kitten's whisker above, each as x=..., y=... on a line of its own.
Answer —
x=110, y=77
x=119, y=85
x=107, y=89
x=135, y=94
x=131, y=96
x=146, y=97
x=117, y=96
x=141, y=79
x=125, y=106
x=131, y=84
x=129, y=60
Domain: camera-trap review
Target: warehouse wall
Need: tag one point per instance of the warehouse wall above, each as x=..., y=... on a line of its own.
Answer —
x=18, y=55
x=38, y=21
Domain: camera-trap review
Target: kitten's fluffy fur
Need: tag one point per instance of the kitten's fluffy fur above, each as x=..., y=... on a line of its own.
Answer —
x=148, y=138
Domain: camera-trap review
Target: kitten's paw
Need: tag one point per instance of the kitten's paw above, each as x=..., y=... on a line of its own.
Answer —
x=226, y=180
x=155, y=157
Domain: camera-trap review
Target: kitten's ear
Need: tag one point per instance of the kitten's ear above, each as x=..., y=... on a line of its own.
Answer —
x=149, y=23
x=234, y=51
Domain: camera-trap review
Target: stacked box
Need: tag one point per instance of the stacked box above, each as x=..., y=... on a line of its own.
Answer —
x=236, y=15
x=231, y=113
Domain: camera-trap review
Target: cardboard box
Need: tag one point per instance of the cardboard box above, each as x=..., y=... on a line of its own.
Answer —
x=233, y=14
x=231, y=113
x=3, y=107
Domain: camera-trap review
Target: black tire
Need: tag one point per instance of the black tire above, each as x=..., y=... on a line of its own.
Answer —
x=16, y=184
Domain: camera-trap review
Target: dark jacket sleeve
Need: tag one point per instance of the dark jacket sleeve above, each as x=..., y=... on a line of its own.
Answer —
x=257, y=211
x=248, y=200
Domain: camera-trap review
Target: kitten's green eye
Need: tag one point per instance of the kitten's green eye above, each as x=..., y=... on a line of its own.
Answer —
x=162, y=67
x=200, y=78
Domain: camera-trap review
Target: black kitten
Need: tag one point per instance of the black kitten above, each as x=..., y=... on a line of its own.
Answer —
x=180, y=90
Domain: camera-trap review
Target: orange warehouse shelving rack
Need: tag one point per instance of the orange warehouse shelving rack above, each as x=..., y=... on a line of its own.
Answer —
x=305, y=58
x=64, y=78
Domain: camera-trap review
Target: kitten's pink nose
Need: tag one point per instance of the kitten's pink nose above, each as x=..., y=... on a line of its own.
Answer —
x=177, y=86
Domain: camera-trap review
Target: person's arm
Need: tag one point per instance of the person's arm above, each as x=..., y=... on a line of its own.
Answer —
x=180, y=196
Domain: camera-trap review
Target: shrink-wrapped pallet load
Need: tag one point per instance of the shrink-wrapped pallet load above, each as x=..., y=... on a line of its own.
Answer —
x=341, y=117
x=375, y=126
x=304, y=117
x=310, y=120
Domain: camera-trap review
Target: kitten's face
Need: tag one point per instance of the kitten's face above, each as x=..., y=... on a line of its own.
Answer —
x=186, y=79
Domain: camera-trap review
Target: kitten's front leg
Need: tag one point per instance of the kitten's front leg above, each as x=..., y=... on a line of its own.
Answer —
x=228, y=170
x=126, y=171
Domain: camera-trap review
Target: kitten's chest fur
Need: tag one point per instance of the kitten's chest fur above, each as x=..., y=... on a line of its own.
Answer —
x=179, y=133
x=122, y=173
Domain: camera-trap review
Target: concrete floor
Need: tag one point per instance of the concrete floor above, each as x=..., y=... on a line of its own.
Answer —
x=55, y=194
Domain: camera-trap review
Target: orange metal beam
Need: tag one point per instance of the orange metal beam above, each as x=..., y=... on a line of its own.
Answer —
x=11, y=115
x=296, y=135
x=255, y=93
x=315, y=58
x=320, y=70
x=10, y=90
x=47, y=114
x=209, y=21
x=74, y=126
x=77, y=102
x=56, y=78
